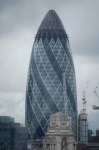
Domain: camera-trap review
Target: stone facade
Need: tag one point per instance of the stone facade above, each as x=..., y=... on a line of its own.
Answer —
x=59, y=135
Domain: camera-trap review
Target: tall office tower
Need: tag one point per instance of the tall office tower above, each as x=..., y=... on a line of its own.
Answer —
x=51, y=84
x=83, y=127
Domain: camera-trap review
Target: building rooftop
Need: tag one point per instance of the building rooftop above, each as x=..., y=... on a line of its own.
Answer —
x=6, y=119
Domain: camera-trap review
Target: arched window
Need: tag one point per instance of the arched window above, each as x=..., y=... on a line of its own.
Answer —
x=64, y=144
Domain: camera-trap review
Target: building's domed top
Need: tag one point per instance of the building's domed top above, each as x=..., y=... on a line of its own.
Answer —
x=51, y=21
x=51, y=25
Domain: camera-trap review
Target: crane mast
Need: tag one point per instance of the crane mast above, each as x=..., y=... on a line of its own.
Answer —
x=94, y=107
x=95, y=91
x=84, y=100
x=84, y=97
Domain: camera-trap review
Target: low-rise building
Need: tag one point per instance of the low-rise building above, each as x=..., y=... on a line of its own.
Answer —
x=13, y=136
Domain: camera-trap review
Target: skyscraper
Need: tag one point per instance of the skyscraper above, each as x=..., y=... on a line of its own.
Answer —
x=83, y=127
x=51, y=77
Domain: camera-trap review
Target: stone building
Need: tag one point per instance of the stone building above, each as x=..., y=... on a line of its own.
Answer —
x=59, y=135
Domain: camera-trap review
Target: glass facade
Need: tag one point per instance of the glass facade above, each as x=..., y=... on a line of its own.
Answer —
x=6, y=136
x=51, y=58
x=13, y=136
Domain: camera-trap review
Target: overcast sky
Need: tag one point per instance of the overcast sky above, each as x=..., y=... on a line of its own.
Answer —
x=19, y=22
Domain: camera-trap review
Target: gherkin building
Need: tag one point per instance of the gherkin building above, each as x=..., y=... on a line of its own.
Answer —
x=51, y=81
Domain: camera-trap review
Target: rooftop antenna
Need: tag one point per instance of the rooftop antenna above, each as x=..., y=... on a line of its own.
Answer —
x=65, y=94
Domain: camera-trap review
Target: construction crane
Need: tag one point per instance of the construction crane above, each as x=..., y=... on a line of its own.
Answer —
x=84, y=98
x=94, y=107
x=95, y=91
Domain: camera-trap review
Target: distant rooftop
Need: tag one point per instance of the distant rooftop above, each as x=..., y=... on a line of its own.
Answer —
x=6, y=119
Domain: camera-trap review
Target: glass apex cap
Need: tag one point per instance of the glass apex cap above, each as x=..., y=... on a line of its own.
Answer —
x=51, y=21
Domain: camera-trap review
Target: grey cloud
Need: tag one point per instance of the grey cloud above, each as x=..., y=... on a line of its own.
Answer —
x=12, y=104
x=14, y=61
x=17, y=15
